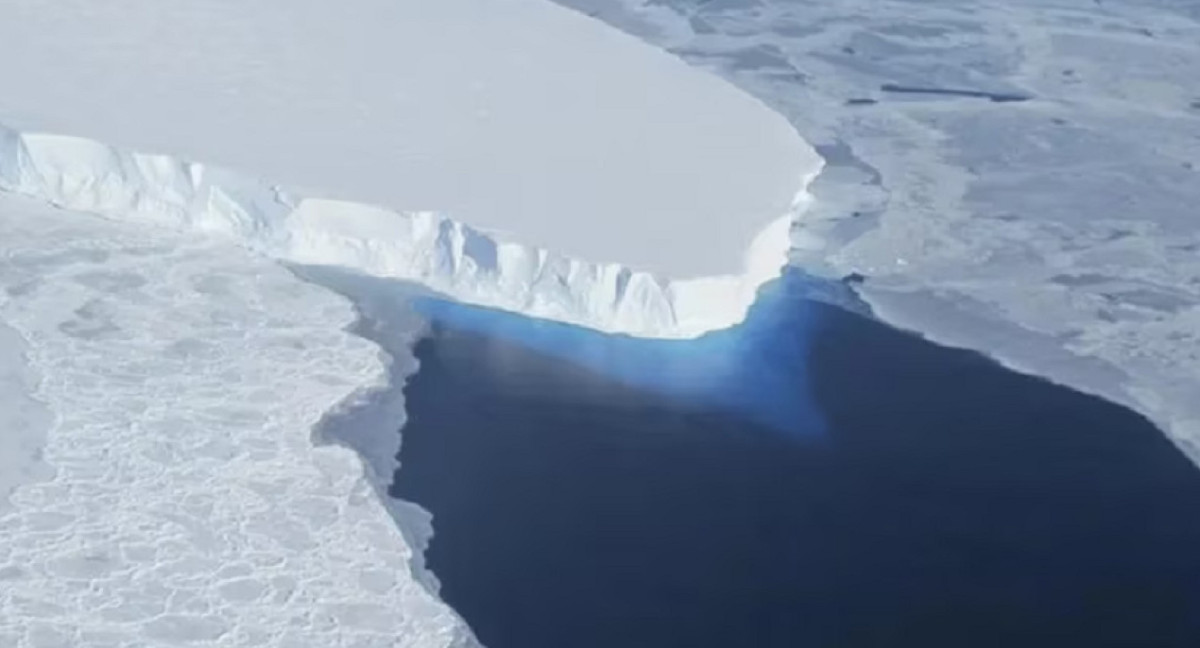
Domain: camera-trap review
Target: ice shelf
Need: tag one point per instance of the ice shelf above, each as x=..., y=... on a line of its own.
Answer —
x=521, y=119
x=426, y=247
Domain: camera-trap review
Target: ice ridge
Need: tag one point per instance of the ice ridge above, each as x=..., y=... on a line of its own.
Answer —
x=421, y=246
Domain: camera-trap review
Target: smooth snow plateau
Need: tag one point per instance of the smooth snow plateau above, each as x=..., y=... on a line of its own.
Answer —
x=521, y=119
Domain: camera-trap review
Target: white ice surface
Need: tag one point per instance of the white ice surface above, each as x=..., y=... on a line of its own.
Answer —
x=1059, y=235
x=516, y=117
x=425, y=247
x=24, y=421
x=190, y=503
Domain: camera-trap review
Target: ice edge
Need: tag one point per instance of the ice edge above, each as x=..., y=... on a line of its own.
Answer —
x=426, y=248
x=421, y=246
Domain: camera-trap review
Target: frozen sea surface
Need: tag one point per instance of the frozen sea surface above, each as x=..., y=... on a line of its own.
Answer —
x=194, y=499
x=1058, y=233
x=23, y=420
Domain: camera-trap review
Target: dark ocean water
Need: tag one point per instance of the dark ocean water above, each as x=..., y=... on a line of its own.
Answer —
x=810, y=479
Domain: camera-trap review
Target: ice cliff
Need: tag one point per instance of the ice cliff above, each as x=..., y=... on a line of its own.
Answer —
x=421, y=246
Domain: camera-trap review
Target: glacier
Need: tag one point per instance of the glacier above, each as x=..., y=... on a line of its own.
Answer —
x=426, y=247
x=518, y=155
x=513, y=154
x=189, y=192
x=520, y=118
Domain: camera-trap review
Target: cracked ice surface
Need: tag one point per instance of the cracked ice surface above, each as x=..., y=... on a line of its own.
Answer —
x=189, y=503
x=1058, y=234
x=23, y=420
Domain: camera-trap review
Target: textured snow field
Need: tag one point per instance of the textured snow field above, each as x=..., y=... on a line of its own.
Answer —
x=1059, y=234
x=23, y=420
x=189, y=501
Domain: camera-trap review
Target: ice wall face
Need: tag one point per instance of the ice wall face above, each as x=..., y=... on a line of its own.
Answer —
x=425, y=247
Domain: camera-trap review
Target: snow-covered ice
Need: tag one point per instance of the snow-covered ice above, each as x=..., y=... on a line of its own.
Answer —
x=24, y=421
x=1017, y=177
x=511, y=153
x=516, y=117
x=189, y=501
x=427, y=247
x=1056, y=228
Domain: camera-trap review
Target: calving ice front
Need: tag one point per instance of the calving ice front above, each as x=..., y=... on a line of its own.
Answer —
x=524, y=156
x=426, y=247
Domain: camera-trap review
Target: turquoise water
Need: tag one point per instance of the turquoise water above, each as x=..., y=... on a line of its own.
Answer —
x=749, y=371
x=812, y=479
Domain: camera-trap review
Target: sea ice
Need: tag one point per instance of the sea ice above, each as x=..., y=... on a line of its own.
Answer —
x=23, y=419
x=189, y=503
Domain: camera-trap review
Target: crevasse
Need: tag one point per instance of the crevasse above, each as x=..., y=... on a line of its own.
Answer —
x=425, y=247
